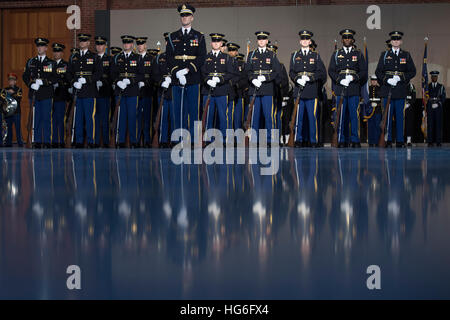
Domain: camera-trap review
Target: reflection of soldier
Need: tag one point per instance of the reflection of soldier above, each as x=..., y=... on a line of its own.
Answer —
x=435, y=107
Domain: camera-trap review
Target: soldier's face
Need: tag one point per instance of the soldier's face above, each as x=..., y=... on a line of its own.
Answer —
x=263, y=43
x=434, y=78
x=142, y=48
x=233, y=53
x=57, y=55
x=42, y=50
x=373, y=82
x=396, y=43
x=347, y=42
x=84, y=45
x=186, y=20
x=216, y=45
x=12, y=82
x=305, y=42
x=223, y=49
x=100, y=48
x=127, y=46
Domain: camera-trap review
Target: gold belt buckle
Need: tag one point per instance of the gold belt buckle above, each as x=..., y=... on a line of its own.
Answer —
x=184, y=57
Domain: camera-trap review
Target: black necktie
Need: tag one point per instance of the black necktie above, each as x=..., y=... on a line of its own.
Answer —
x=185, y=32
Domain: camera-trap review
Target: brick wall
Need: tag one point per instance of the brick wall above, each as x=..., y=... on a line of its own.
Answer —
x=88, y=7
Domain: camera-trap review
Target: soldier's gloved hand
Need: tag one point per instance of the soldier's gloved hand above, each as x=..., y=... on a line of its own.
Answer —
x=211, y=83
x=35, y=86
x=141, y=84
x=301, y=82
x=306, y=78
x=168, y=80
x=182, y=80
x=344, y=82
x=55, y=85
x=392, y=82
x=261, y=78
x=70, y=90
x=121, y=85
x=77, y=85
x=126, y=81
x=216, y=79
x=182, y=73
x=82, y=80
x=396, y=78
x=99, y=84
x=165, y=84
x=39, y=82
x=256, y=83
x=349, y=78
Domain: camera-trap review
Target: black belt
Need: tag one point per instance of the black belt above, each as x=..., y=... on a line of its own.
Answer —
x=348, y=71
x=127, y=75
x=260, y=72
x=394, y=73
x=304, y=73
x=83, y=73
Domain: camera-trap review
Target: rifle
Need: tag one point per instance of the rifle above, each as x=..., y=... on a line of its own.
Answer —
x=113, y=125
x=204, y=115
x=155, y=141
x=383, y=124
x=337, y=121
x=30, y=122
x=249, y=116
x=294, y=115
x=69, y=124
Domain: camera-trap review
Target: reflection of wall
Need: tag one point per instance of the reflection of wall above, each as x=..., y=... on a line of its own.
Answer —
x=240, y=23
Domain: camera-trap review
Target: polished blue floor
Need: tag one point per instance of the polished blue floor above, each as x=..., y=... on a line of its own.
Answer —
x=140, y=226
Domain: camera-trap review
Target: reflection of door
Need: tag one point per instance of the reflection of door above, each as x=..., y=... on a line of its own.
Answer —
x=20, y=28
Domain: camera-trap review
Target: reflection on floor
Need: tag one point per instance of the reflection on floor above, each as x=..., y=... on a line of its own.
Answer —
x=140, y=226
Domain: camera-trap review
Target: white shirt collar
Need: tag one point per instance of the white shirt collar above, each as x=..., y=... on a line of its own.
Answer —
x=305, y=50
x=57, y=61
x=101, y=55
x=396, y=51
x=188, y=29
x=143, y=54
x=41, y=58
x=262, y=50
x=127, y=54
x=214, y=52
x=347, y=49
x=83, y=52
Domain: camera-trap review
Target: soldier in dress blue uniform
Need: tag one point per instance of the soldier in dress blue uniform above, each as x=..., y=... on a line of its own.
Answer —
x=161, y=77
x=146, y=92
x=16, y=94
x=39, y=76
x=435, y=106
x=375, y=113
x=348, y=72
x=126, y=73
x=186, y=51
x=104, y=88
x=263, y=69
x=217, y=71
x=85, y=70
x=394, y=71
x=306, y=70
x=61, y=97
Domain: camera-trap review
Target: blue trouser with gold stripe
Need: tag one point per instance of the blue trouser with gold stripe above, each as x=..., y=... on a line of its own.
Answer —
x=14, y=119
x=265, y=105
x=310, y=105
x=396, y=111
x=128, y=117
x=85, y=115
x=373, y=128
x=144, y=118
x=166, y=111
x=102, y=120
x=350, y=106
x=185, y=106
x=221, y=104
x=42, y=121
x=59, y=111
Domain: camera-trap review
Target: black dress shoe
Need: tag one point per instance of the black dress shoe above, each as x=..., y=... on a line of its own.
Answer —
x=430, y=144
x=91, y=146
x=342, y=145
x=438, y=144
x=409, y=144
x=47, y=146
x=36, y=145
x=121, y=146
x=314, y=145
x=298, y=144
x=399, y=145
x=79, y=146
x=356, y=145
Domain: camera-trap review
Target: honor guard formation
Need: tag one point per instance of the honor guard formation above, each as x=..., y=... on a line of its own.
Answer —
x=135, y=96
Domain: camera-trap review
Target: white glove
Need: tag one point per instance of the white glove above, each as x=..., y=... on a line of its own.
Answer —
x=344, y=82
x=392, y=82
x=77, y=85
x=99, y=84
x=55, y=85
x=70, y=90
x=306, y=78
x=182, y=80
x=407, y=106
x=182, y=73
x=216, y=79
x=165, y=84
x=211, y=83
x=261, y=78
x=141, y=84
x=434, y=105
x=126, y=81
x=256, y=83
x=396, y=78
x=121, y=85
x=284, y=104
x=168, y=80
x=39, y=82
x=82, y=80
x=35, y=86
x=349, y=78
x=301, y=82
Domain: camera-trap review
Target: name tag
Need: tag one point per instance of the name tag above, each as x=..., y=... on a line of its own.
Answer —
x=133, y=63
x=89, y=61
